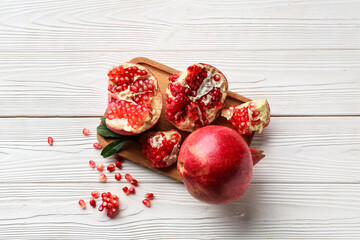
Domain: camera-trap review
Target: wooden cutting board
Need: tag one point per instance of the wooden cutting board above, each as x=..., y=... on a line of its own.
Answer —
x=132, y=150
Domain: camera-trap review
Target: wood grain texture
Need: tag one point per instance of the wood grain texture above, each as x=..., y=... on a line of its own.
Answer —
x=295, y=152
x=93, y=25
x=280, y=211
x=74, y=84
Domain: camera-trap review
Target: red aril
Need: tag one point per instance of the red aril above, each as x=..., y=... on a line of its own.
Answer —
x=194, y=98
x=118, y=164
x=248, y=117
x=216, y=164
x=92, y=163
x=82, y=204
x=92, y=202
x=126, y=190
x=132, y=190
x=149, y=196
x=86, y=131
x=102, y=178
x=119, y=158
x=161, y=148
x=128, y=177
x=135, y=100
x=50, y=141
x=100, y=167
x=134, y=182
x=97, y=146
x=117, y=176
x=111, y=167
x=95, y=194
x=146, y=202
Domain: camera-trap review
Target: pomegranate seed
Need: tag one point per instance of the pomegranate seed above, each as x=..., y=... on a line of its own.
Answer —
x=117, y=176
x=92, y=202
x=146, y=202
x=82, y=204
x=216, y=77
x=132, y=190
x=95, y=194
x=86, y=131
x=118, y=164
x=102, y=178
x=111, y=167
x=100, y=167
x=134, y=182
x=50, y=141
x=128, y=177
x=149, y=196
x=119, y=158
x=92, y=163
x=97, y=145
x=126, y=190
x=101, y=208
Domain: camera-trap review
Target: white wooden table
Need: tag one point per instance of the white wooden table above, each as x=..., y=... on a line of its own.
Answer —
x=303, y=56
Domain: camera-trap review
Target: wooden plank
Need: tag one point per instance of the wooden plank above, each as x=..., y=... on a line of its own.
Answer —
x=298, y=150
x=280, y=211
x=74, y=84
x=177, y=25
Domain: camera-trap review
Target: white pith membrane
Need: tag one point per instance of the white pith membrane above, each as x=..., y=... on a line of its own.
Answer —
x=127, y=95
x=207, y=85
x=156, y=142
x=261, y=106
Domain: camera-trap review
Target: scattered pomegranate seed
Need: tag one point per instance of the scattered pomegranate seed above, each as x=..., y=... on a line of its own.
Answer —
x=111, y=167
x=92, y=202
x=128, y=177
x=146, y=202
x=50, y=141
x=86, y=131
x=132, y=190
x=100, y=167
x=92, y=163
x=126, y=190
x=102, y=178
x=82, y=203
x=95, y=194
x=119, y=158
x=149, y=196
x=117, y=176
x=118, y=164
x=97, y=145
x=134, y=182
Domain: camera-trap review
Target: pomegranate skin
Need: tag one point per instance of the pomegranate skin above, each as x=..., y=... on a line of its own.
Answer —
x=215, y=164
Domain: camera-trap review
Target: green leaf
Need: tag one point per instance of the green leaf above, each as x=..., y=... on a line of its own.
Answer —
x=105, y=132
x=103, y=120
x=112, y=148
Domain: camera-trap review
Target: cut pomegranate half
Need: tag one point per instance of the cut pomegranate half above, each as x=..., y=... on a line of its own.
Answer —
x=135, y=100
x=161, y=148
x=249, y=116
x=194, y=98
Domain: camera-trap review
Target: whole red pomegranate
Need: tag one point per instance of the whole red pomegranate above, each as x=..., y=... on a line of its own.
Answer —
x=135, y=100
x=194, y=98
x=216, y=164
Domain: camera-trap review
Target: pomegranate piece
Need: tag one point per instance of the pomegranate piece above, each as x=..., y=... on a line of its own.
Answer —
x=135, y=100
x=95, y=194
x=249, y=117
x=117, y=176
x=146, y=202
x=102, y=178
x=82, y=204
x=194, y=98
x=50, y=141
x=92, y=163
x=86, y=131
x=100, y=167
x=111, y=167
x=92, y=202
x=149, y=196
x=221, y=173
x=97, y=145
x=161, y=148
x=110, y=203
